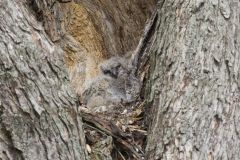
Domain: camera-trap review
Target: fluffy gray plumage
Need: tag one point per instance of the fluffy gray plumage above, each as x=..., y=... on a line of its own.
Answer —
x=116, y=84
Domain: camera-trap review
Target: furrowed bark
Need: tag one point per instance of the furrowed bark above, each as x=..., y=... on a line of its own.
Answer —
x=188, y=60
x=39, y=118
x=194, y=81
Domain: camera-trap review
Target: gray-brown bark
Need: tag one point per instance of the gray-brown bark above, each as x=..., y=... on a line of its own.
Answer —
x=194, y=82
x=39, y=114
x=120, y=22
x=39, y=118
x=191, y=53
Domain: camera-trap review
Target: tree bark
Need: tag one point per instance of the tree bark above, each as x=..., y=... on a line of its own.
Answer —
x=121, y=22
x=194, y=81
x=39, y=113
x=39, y=118
x=188, y=60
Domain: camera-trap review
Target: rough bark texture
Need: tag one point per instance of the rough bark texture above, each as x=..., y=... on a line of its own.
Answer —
x=194, y=81
x=190, y=52
x=39, y=118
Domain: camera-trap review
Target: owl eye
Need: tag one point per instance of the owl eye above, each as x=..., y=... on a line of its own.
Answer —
x=112, y=73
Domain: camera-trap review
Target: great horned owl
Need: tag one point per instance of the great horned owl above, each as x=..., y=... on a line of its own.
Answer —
x=115, y=67
x=123, y=79
x=115, y=84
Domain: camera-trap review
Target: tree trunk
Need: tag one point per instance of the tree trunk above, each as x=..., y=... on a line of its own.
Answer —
x=188, y=60
x=39, y=118
x=39, y=113
x=194, y=81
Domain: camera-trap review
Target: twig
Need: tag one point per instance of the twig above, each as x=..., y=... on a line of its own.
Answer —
x=143, y=41
x=110, y=129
